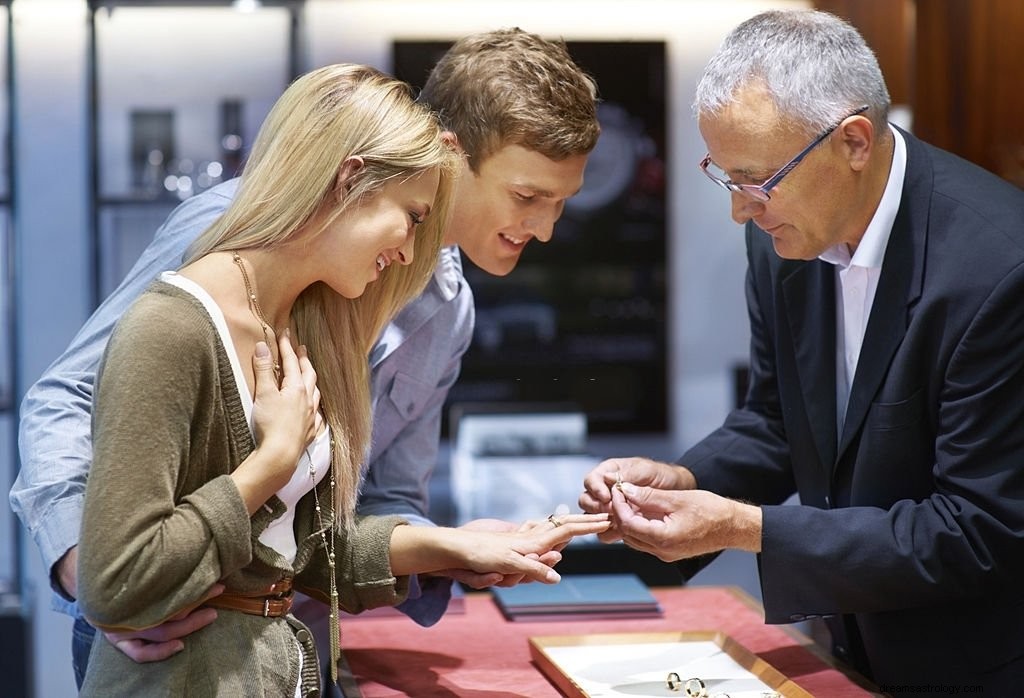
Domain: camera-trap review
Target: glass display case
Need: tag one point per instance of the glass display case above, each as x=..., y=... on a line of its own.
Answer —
x=6, y=237
x=179, y=91
x=13, y=627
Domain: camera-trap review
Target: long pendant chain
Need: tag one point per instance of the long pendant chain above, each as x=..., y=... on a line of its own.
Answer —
x=327, y=538
x=258, y=312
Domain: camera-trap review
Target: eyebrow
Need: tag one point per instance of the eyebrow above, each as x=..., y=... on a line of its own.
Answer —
x=746, y=172
x=740, y=171
x=546, y=193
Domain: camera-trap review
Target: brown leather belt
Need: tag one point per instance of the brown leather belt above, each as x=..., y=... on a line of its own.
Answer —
x=271, y=603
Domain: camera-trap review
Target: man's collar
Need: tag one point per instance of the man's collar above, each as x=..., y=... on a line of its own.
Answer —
x=871, y=250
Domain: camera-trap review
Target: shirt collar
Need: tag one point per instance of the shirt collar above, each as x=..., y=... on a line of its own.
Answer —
x=448, y=272
x=871, y=250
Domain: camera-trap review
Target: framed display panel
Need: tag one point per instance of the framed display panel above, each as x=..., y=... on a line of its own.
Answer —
x=6, y=236
x=5, y=102
x=179, y=92
x=7, y=399
x=640, y=664
x=14, y=627
x=582, y=318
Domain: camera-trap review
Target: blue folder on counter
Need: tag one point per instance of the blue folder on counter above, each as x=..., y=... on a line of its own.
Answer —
x=579, y=596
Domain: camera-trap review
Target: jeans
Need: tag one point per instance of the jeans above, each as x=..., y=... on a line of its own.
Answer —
x=82, y=635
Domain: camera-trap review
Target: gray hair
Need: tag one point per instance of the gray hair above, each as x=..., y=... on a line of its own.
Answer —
x=816, y=67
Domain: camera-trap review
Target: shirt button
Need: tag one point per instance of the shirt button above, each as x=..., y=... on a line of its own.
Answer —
x=302, y=635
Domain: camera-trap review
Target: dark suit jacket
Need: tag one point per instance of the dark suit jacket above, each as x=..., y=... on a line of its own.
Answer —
x=911, y=530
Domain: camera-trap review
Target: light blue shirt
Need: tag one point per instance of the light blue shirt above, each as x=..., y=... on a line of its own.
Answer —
x=414, y=364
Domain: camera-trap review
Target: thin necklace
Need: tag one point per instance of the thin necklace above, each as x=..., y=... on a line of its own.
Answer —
x=325, y=528
x=327, y=538
x=257, y=311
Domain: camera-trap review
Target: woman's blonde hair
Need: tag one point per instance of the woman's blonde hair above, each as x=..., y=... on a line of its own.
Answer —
x=292, y=174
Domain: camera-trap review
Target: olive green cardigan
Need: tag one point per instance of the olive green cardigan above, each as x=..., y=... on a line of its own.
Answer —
x=163, y=521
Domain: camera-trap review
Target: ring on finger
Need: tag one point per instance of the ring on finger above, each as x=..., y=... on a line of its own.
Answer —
x=553, y=521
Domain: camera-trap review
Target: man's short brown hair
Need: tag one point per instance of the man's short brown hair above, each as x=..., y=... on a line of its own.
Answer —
x=510, y=87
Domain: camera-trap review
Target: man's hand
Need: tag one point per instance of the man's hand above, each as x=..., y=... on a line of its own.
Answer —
x=152, y=644
x=165, y=640
x=599, y=482
x=673, y=525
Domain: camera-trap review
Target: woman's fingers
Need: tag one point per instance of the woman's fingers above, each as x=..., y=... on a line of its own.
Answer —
x=564, y=527
x=312, y=391
x=308, y=374
x=534, y=570
x=551, y=558
x=565, y=519
x=263, y=370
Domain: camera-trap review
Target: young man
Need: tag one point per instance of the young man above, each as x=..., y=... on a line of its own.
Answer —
x=887, y=367
x=525, y=152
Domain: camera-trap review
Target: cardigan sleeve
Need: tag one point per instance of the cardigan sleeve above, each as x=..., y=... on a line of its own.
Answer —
x=160, y=526
x=363, y=574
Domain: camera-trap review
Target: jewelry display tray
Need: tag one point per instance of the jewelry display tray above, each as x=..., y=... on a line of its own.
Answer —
x=632, y=665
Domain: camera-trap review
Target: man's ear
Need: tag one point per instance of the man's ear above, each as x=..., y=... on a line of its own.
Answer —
x=346, y=173
x=858, y=134
x=451, y=139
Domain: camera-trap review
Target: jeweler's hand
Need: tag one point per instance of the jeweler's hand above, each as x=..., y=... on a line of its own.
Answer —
x=679, y=524
x=599, y=482
x=167, y=639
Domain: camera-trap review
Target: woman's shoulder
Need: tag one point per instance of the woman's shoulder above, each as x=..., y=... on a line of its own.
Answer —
x=165, y=319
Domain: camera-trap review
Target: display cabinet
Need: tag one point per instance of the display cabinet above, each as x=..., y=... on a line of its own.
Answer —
x=13, y=624
x=6, y=236
x=179, y=89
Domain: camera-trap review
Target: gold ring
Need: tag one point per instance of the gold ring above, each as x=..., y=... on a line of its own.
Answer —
x=553, y=521
x=695, y=688
x=673, y=681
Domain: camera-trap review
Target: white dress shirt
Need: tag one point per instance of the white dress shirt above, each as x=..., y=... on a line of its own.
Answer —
x=857, y=277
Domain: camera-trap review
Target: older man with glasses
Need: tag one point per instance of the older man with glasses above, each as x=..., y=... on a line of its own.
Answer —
x=886, y=299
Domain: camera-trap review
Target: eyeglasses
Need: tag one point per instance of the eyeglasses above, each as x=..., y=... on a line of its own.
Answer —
x=760, y=191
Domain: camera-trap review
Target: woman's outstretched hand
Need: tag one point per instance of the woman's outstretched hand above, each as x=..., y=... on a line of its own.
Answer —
x=527, y=554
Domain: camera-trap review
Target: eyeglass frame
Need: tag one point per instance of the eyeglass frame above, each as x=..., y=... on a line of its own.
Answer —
x=760, y=191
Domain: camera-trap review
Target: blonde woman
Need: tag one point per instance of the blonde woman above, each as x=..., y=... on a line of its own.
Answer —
x=226, y=468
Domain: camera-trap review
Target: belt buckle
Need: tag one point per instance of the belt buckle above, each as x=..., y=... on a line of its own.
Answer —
x=266, y=607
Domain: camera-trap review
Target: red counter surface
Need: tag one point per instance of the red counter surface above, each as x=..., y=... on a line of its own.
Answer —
x=479, y=654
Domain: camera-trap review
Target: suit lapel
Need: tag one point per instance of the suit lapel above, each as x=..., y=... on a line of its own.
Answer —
x=899, y=287
x=810, y=301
